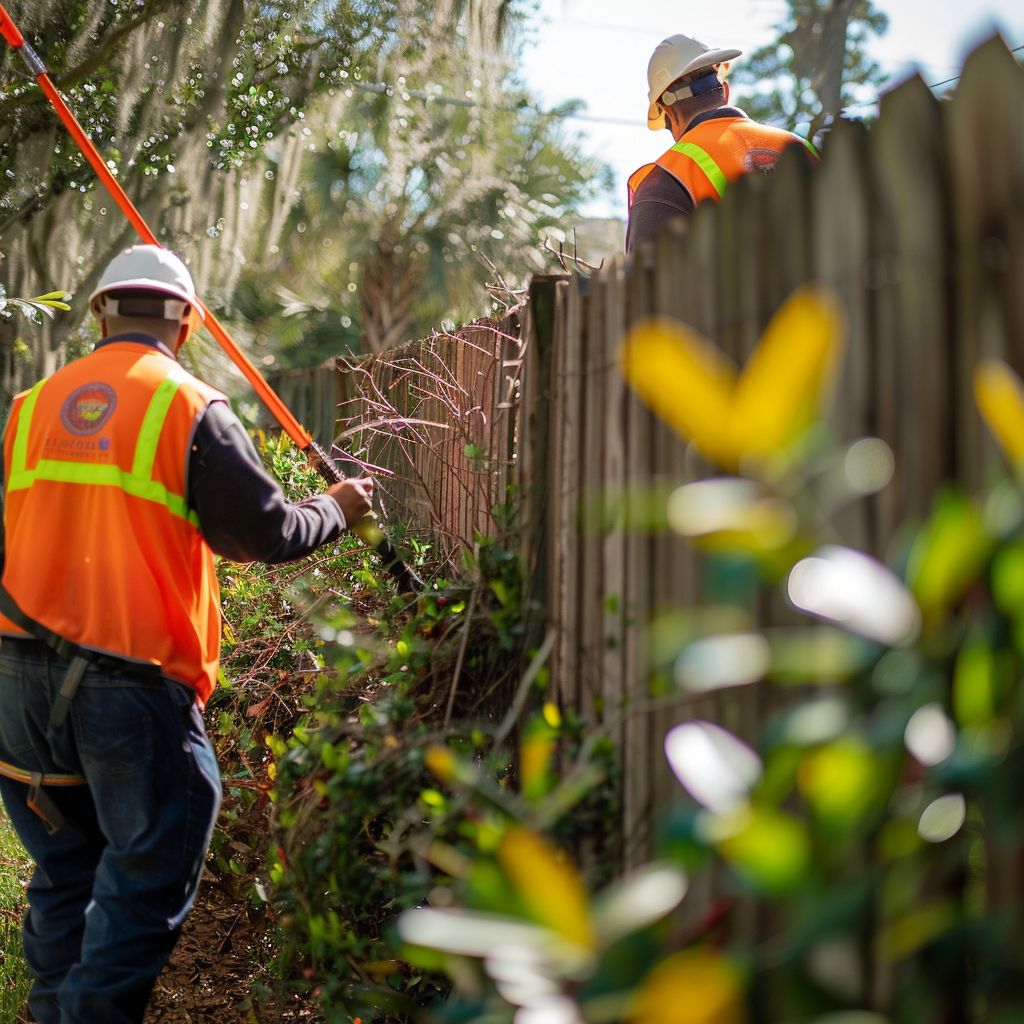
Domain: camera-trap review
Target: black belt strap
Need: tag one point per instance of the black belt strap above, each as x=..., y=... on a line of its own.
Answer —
x=65, y=649
x=66, y=694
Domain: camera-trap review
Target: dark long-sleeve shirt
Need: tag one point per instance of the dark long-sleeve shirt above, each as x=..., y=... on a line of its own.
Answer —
x=243, y=513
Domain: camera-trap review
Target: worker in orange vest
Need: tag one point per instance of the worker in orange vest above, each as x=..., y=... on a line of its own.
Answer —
x=715, y=143
x=123, y=476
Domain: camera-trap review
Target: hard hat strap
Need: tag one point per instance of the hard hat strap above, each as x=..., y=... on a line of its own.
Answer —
x=698, y=87
x=140, y=306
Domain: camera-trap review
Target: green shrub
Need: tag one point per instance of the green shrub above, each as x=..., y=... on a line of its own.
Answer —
x=14, y=873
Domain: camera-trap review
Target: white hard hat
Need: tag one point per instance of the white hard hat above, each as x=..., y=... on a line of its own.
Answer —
x=149, y=268
x=674, y=57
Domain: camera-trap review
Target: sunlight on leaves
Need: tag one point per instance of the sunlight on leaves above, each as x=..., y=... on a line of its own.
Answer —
x=638, y=900
x=857, y=592
x=943, y=818
x=730, y=513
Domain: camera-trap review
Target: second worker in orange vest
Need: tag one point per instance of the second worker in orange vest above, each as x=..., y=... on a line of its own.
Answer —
x=715, y=143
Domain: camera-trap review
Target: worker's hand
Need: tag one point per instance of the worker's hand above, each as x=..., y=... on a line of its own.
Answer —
x=354, y=497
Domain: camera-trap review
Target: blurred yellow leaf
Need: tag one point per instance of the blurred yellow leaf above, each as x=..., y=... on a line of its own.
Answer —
x=696, y=986
x=770, y=848
x=999, y=394
x=441, y=762
x=552, y=715
x=686, y=380
x=840, y=781
x=692, y=386
x=548, y=885
x=948, y=554
x=779, y=392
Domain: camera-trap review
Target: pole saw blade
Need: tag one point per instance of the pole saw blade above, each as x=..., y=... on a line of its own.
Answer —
x=367, y=528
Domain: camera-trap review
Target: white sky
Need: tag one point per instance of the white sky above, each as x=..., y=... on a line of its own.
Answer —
x=597, y=50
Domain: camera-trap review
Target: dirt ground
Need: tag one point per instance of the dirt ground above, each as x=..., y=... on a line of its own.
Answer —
x=210, y=978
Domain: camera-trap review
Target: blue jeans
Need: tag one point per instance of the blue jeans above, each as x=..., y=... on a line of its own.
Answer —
x=110, y=889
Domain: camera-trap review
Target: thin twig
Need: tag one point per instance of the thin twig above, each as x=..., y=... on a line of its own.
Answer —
x=510, y=719
x=464, y=643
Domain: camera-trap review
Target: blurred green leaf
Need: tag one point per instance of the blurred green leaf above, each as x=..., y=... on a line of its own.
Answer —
x=769, y=848
x=948, y=554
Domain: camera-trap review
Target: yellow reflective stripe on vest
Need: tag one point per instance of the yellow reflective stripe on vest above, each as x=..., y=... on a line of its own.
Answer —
x=139, y=482
x=706, y=163
x=20, y=454
x=153, y=423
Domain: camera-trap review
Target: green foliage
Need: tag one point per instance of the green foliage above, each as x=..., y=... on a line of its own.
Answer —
x=411, y=170
x=44, y=305
x=803, y=74
x=14, y=872
x=240, y=97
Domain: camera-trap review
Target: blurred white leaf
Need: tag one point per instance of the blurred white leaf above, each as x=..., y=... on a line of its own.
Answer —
x=817, y=722
x=869, y=465
x=469, y=933
x=856, y=591
x=638, y=900
x=716, y=769
x=554, y=1010
x=731, y=505
x=716, y=662
x=943, y=818
x=930, y=736
x=520, y=975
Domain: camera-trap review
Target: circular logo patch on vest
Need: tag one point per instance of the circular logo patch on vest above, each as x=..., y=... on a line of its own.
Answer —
x=88, y=408
x=761, y=160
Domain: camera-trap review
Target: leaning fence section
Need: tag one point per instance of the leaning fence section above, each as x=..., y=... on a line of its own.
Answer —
x=918, y=223
x=435, y=422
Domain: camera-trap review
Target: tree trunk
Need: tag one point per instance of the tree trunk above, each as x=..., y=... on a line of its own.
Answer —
x=828, y=81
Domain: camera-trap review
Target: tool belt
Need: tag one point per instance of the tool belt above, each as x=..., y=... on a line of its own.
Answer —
x=38, y=799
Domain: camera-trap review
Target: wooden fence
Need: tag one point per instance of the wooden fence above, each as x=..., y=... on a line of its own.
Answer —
x=432, y=420
x=917, y=222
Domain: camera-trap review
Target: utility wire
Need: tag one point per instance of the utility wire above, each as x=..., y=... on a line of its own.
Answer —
x=946, y=81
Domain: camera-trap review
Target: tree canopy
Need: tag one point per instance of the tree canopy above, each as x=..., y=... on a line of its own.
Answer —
x=276, y=145
x=815, y=66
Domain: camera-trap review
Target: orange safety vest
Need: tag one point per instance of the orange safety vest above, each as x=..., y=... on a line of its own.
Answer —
x=101, y=546
x=720, y=150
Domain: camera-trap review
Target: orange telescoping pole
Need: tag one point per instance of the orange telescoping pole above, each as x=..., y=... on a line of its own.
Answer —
x=366, y=528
